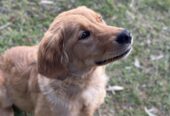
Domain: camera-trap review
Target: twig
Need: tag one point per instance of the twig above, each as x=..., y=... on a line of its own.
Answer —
x=46, y=2
x=4, y=26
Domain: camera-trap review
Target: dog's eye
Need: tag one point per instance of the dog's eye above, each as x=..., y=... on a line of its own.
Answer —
x=84, y=35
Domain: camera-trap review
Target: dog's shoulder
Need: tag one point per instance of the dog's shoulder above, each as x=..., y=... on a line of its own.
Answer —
x=18, y=58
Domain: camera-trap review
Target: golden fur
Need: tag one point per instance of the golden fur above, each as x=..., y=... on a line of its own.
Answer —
x=59, y=77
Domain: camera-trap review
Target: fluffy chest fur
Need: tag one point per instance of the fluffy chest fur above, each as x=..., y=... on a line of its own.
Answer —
x=87, y=92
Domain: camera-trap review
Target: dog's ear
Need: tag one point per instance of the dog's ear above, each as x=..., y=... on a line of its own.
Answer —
x=51, y=55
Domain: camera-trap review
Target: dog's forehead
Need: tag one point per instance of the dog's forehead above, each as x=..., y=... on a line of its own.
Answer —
x=84, y=11
x=81, y=15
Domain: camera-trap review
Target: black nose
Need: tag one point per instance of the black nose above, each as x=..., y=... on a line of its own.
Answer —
x=124, y=37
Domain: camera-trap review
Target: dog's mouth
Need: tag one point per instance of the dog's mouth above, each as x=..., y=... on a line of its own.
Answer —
x=106, y=61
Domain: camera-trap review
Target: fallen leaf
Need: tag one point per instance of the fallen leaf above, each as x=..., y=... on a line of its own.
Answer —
x=156, y=57
x=115, y=88
x=137, y=63
x=151, y=112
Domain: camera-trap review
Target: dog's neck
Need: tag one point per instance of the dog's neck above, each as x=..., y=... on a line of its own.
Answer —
x=78, y=80
x=80, y=71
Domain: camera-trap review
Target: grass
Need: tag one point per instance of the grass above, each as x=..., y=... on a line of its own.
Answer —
x=144, y=74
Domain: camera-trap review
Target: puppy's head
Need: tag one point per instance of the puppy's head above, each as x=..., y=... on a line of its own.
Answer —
x=79, y=39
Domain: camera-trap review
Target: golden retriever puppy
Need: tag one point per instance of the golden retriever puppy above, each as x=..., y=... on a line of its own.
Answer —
x=64, y=75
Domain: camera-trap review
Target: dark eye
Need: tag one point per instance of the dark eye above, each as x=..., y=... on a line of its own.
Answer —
x=84, y=35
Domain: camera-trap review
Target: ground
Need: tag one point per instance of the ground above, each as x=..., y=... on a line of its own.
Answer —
x=144, y=75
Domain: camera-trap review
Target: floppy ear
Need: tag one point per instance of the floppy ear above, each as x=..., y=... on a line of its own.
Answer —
x=52, y=58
